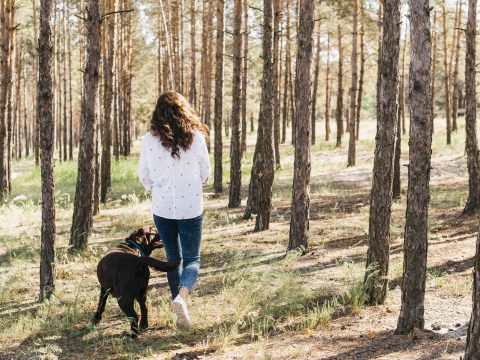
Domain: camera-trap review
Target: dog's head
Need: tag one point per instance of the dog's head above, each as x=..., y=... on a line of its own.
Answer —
x=148, y=239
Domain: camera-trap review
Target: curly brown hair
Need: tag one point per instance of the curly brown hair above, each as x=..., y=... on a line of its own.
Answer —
x=174, y=121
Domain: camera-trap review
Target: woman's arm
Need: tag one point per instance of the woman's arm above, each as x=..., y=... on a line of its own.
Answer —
x=143, y=171
x=203, y=158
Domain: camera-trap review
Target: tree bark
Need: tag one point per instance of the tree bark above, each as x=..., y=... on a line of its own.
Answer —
x=218, y=153
x=47, y=148
x=288, y=74
x=434, y=66
x=82, y=213
x=299, y=223
x=339, y=110
x=381, y=196
x=235, y=144
x=455, y=71
x=193, y=57
x=379, y=54
x=244, y=76
x=327, y=92
x=446, y=74
x=70, y=102
x=353, y=89
x=315, y=89
x=473, y=201
x=397, y=186
x=276, y=69
x=362, y=68
x=416, y=225
x=106, y=132
x=35, y=74
x=472, y=351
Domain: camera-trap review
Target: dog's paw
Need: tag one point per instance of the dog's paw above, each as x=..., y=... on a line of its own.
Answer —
x=143, y=325
x=96, y=319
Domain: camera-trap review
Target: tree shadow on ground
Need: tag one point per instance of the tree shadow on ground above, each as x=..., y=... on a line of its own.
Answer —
x=385, y=342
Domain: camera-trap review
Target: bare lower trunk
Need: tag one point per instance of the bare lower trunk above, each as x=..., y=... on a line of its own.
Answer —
x=362, y=70
x=416, y=225
x=381, y=196
x=327, y=93
x=244, y=76
x=315, y=90
x=339, y=110
x=218, y=169
x=47, y=133
x=265, y=157
x=446, y=74
x=299, y=223
x=82, y=213
x=401, y=121
x=473, y=202
x=353, y=90
x=276, y=76
x=235, y=145
x=106, y=131
x=472, y=351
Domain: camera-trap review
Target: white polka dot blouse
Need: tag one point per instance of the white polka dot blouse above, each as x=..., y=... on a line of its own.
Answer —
x=176, y=183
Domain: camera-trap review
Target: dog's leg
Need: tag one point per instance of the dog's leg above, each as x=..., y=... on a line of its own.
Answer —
x=101, y=306
x=126, y=304
x=142, y=301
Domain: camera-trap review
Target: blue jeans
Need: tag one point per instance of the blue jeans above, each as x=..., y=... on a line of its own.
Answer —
x=182, y=240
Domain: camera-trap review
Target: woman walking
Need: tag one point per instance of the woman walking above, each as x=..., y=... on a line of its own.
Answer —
x=174, y=165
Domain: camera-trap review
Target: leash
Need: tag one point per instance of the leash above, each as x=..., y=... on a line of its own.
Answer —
x=136, y=246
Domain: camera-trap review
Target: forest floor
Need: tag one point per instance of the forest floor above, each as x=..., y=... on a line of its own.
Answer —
x=252, y=300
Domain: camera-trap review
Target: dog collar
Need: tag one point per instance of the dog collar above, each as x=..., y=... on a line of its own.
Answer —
x=136, y=246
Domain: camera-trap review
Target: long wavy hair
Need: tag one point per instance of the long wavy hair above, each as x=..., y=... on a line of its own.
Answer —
x=174, y=121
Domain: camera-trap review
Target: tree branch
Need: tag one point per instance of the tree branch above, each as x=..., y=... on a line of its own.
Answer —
x=116, y=12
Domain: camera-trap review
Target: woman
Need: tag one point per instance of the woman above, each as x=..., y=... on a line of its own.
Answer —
x=174, y=165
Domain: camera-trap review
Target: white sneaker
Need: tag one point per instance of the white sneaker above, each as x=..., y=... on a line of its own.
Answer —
x=179, y=307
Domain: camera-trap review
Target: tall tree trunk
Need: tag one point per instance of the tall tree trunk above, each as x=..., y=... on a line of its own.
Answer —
x=34, y=95
x=207, y=60
x=244, y=76
x=193, y=58
x=472, y=351
x=263, y=167
x=106, y=132
x=397, y=186
x=315, y=88
x=47, y=148
x=434, y=66
x=353, y=89
x=218, y=153
x=70, y=101
x=339, y=110
x=276, y=69
x=299, y=223
x=6, y=8
x=473, y=202
x=288, y=73
x=381, y=196
x=64, y=59
x=235, y=145
x=327, y=92
x=379, y=55
x=455, y=71
x=446, y=74
x=82, y=212
x=362, y=67
x=416, y=225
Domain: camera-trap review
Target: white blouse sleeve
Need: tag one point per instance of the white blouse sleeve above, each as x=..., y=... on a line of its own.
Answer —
x=203, y=158
x=143, y=171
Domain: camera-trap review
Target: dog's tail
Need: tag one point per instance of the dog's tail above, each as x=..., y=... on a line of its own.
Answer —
x=159, y=265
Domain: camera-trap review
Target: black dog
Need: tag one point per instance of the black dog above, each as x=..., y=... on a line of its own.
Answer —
x=123, y=272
